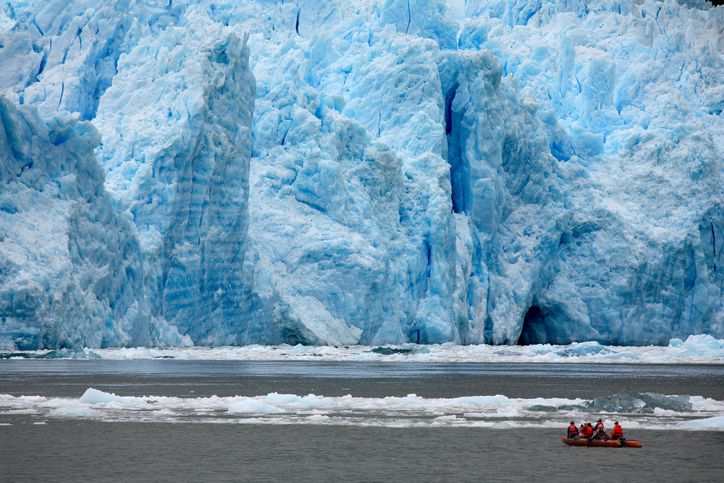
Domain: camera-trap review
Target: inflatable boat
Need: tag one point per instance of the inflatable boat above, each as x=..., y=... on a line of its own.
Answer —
x=602, y=443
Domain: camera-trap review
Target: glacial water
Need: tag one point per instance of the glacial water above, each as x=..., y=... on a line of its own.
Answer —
x=359, y=421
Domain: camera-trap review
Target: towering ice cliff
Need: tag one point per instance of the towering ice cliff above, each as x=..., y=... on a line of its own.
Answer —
x=71, y=269
x=176, y=143
x=416, y=170
x=637, y=90
x=176, y=127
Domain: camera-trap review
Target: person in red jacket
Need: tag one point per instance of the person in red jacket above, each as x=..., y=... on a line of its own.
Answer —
x=572, y=431
x=587, y=431
x=617, y=431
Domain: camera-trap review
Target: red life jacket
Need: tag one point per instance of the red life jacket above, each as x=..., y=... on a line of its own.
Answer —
x=587, y=431
x=572, y=430
x=617, y=430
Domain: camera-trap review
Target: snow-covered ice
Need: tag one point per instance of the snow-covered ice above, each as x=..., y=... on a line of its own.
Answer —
x=362, y=172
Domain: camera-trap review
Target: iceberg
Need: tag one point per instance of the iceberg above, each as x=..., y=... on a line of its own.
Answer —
x=361, y=172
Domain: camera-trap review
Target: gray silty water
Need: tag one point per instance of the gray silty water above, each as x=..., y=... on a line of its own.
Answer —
x=91, y=451
x=70, y=378
x=77, y=450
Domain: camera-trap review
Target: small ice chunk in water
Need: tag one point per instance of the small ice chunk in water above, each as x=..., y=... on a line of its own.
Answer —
x=713, y=423
x=94, y=396
x=635, y=402
x=72, y=409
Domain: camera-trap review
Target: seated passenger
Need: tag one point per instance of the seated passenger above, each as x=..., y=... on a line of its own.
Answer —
x=617, y=431
x=587, y=431
x=599, y=431
x=572, y=431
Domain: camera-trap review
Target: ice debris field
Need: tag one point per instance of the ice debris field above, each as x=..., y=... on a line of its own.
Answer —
x=334, y=172
x=633, y=410
x=698, y=349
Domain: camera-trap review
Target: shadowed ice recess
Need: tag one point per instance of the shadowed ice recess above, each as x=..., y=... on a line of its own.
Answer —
x=633, y=410
x=366, y=172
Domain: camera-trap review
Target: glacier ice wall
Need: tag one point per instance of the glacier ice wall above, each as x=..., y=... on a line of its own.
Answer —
x=352, y=215
x=418, y=170
x=176, y=125
x=637, y=90
x=65, y=53
x=65, y=254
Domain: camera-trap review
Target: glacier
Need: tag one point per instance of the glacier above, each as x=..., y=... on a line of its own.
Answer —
x=364, y=172
x=177, y=160
x=66, y=254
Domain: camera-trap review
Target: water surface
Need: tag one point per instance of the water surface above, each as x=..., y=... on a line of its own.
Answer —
x=217, y=446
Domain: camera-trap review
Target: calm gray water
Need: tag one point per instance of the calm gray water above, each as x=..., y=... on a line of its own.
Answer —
x=364, y=379
x=92, y=451
x=84, y=450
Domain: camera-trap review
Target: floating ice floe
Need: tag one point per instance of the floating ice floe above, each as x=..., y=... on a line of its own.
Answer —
x=493, y=411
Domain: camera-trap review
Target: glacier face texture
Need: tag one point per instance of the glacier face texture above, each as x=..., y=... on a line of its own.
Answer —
x=333, y=172
x=176, y=147
x=65, y=254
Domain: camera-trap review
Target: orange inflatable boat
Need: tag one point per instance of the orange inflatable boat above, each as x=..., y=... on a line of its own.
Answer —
x=607, y=443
